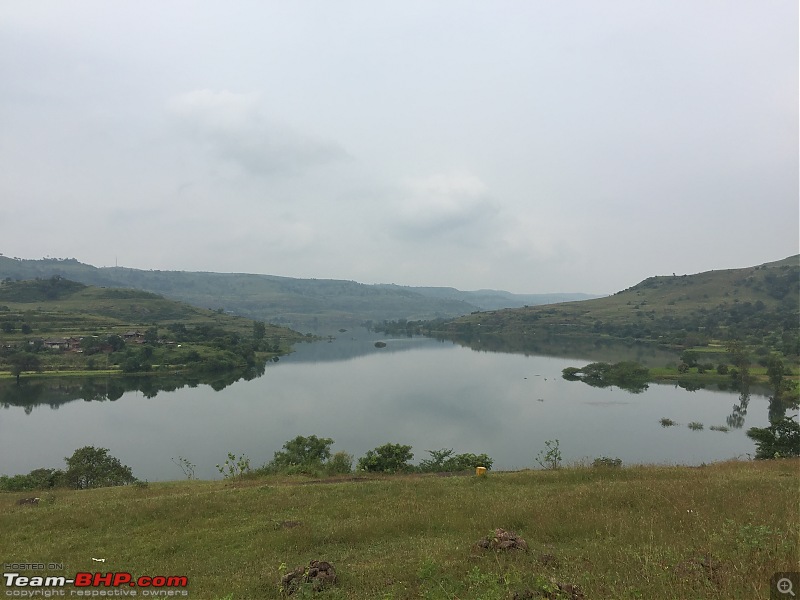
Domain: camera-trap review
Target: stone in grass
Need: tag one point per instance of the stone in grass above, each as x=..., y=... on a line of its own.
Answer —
x=318, y=573
x=503, y=540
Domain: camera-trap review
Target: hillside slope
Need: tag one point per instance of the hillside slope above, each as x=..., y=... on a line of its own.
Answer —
x=758, y=302
x=62, y=325
x=318, y=305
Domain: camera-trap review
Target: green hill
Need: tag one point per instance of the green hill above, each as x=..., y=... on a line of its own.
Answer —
x=758, y=304
x=317, y=305
x=69, y=326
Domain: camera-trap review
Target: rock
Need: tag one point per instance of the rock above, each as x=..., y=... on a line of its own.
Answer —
x=503, y=540
x=318, y=573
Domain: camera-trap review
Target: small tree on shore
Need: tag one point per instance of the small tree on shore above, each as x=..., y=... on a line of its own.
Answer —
x=779, y=440
x=22, y=362
x=91, y=467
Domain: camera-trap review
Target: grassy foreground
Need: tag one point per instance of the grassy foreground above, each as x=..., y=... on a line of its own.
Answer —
x=717, y=531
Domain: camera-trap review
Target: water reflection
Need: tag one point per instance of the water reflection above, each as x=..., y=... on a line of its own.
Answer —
x=55, y=392
x=739, y=412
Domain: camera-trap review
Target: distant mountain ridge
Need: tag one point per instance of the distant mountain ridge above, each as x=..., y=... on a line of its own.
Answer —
x=316, y=305
x=497, y=299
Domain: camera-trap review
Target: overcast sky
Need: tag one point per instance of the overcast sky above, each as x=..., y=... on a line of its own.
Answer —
x=534, y=146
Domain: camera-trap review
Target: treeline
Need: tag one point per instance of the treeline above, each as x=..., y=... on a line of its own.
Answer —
x=91, y=467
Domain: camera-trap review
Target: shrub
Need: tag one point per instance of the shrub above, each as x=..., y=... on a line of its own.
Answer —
x=302, y=450
x=340, y=463
x=779, y=440
x=606, y=462
x=38, y=479
x=389, y=458
x=234, y=467
x=665, y=422
x=91, y=467
x=444, y=461
x=551, y=457
x=695, y=426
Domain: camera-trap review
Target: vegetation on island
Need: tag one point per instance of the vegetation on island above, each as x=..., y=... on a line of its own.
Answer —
x=629, y=376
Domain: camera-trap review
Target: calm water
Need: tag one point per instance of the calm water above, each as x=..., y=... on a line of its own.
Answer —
x=421, y=392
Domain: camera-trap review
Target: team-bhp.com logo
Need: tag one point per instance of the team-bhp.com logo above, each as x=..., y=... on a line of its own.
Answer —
x=95, y=584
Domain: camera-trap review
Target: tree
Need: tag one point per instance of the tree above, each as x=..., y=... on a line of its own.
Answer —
x=775, y=371
x=91, y=467
x=259, y=330
x=689, y=357
x=779, y=440
x=388, y=458
x=24, y=361
x=303, y=451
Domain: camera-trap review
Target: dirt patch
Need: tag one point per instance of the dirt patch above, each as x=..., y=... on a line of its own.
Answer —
x=702, y=566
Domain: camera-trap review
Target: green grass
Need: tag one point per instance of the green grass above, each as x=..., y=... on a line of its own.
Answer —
x=719, y=531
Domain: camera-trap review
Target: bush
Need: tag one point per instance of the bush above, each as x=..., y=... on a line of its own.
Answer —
x=341, y=463
x=389, y=458
x=38, y=479
x=443, y=461
x=779, y=440
x=551, y=457
x=303, y=450
x=91, y=467
x=606, y=462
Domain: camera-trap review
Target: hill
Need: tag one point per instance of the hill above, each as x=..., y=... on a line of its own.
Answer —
x=759, y=304
x=318, y=305
x=62, y=325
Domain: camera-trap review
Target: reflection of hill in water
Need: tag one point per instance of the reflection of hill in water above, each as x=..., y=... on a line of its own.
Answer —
x=354, y=344
x=360, y=342
x=54, y=392
x=589, y=348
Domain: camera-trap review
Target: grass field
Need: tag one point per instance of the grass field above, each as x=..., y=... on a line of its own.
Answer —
x=717, y=531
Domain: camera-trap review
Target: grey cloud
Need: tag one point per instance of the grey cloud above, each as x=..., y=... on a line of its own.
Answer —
x=232, y=127
x=443, y=206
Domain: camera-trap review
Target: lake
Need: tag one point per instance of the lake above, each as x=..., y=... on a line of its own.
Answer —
x=417, y=391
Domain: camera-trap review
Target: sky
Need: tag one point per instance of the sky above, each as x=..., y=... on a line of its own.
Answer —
x=527, y=145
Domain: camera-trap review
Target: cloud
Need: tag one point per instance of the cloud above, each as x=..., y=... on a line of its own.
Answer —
x=442, y=205
x=233, y=127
